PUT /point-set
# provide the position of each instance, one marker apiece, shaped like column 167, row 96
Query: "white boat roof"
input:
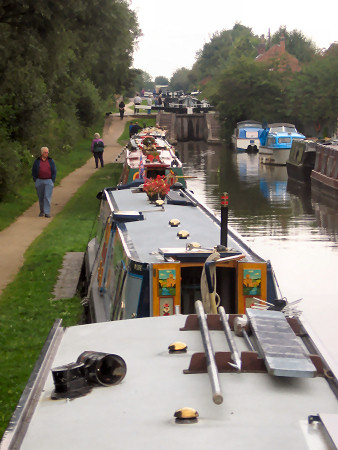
column 259, row 411
column 144, row 238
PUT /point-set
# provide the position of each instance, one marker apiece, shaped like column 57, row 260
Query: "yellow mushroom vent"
column 159, row 202
column 186, row 415
column 174, row 222
column 183, row 234
column 177, row 347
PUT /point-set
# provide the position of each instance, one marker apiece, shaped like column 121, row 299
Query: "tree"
column 224, row 46
column 313, row 93
column 296, row 44
column 247, row 90
column 60, row 62
column 180, row 80
column 142, row 81
column 161, row 80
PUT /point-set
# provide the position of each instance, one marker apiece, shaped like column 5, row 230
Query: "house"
column 278, row 57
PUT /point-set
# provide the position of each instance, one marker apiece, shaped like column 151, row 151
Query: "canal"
column 281, row 222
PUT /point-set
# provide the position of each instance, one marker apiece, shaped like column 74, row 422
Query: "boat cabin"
column 149, row 259
column 280, row 135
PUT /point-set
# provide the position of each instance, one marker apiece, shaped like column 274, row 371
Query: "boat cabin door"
column 166, row 288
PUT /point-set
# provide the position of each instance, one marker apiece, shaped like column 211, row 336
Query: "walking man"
column 97, row 148
column 44, row 174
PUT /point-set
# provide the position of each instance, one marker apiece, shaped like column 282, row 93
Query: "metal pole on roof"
column 217, row 395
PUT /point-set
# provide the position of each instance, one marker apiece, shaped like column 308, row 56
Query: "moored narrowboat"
column 148, row 154
column 301, row 160
column 324, row 176
column 148, row 258
column 276, row 141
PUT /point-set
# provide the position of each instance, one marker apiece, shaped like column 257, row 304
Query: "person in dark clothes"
column 121, row 108
column 44, row 174
column 135, row 129
column 130, row 127
column 97, row 149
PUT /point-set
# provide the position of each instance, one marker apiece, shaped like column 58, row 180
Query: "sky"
column 174, row 30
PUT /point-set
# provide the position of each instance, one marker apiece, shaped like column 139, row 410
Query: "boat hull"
column 273, row 156
column 247, row 145
column 301, row 161
column 324, row 176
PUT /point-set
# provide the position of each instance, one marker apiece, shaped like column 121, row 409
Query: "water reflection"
column 274, row 204
column 283, row 222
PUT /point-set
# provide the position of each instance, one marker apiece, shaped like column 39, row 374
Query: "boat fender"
column 186, row 415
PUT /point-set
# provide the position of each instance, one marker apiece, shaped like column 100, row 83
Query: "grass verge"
column 17, row 203
column 27, row 308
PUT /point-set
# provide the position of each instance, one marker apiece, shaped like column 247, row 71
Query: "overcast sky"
column 174, row 30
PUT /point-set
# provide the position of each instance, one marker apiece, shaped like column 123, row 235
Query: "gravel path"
column 15, row 239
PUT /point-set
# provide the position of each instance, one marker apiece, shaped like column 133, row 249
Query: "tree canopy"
column 241, row 88
column 180, row 80
column 60, row 61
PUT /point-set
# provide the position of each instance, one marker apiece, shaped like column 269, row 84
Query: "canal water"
column 281, row 222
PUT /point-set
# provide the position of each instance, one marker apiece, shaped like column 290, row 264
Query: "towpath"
column 16, row 238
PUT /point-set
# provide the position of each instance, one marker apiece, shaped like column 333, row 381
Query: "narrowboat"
column 324, row 176
column 246, row 135
column 301, row 160
column 148, row 154
column 276, row 141
column 148, row 258
column 205, row 357
column 185, row 381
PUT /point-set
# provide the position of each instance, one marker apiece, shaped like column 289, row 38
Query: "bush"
column 14, row 161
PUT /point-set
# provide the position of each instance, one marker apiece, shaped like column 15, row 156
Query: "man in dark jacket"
column 135, row 129
column 44, row 174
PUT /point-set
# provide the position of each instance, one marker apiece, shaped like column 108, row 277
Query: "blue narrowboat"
column 152, row 259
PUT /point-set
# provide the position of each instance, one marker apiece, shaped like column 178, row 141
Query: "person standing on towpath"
column 97, row 148
column 44, row 174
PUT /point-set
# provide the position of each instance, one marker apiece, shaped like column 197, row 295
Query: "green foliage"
column 27, row 307
column 240, row 88
column 247, row 90
column 22, row 194
column 14, row 163
column 313, row 92
column 59, row 64
column 217, row 54
column 296, row 44
column 180, row 80
column 161, row 80
column 142, row 81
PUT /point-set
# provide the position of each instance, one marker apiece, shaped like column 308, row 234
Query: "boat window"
column 270, row 141
column 152, row 173
column 252, row 134
column 283, row 140
column 117, row 307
